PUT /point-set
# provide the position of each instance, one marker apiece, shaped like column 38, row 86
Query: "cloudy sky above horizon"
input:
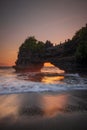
column 54, row 20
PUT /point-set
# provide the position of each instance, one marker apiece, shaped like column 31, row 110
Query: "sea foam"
column 11, row 82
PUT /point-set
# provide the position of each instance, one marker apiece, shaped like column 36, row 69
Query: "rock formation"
column 69, row 53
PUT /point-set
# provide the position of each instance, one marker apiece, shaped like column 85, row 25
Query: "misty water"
column 48, row 79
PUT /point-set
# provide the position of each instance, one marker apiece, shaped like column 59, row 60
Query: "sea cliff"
column 69, row 55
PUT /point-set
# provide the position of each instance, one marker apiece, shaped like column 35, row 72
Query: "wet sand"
column 44, row 111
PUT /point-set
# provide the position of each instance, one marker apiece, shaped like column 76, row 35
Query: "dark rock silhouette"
column 70, row 54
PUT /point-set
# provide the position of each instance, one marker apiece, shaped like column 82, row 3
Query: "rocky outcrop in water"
column 68, row 54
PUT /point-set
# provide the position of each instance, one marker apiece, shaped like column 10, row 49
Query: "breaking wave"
column 11, row 82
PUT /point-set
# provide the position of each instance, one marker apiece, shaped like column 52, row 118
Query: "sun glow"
column 48, row 64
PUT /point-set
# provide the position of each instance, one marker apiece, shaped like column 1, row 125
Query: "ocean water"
column 49, row 78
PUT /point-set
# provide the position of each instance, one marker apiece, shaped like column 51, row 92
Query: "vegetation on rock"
column 81, row 52
column 33, row 51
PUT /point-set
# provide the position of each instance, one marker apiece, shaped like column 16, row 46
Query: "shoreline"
column 44, row 111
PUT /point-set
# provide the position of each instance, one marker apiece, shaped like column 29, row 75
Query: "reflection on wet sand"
column 46, row 105
column 8, row 106
column 42, row 111
column 53, row 104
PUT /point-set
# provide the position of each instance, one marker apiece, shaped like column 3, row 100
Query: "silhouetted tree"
column 48, row 44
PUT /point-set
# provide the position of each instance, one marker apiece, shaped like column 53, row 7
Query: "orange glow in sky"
column 8, row 57
column 48, row 64
column 54, row 20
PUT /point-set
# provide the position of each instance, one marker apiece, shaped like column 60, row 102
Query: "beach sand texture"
column 44, row 111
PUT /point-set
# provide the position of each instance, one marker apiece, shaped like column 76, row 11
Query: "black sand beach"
column 44, row 111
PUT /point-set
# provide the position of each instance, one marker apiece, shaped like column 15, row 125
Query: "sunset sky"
column 54, row 20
